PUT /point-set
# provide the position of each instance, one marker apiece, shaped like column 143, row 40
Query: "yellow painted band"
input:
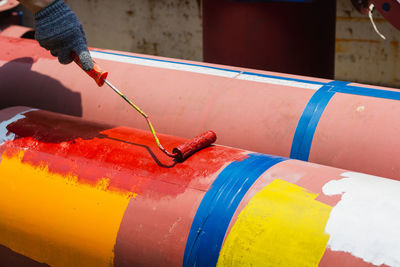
column 282, row 225
column 55, row 219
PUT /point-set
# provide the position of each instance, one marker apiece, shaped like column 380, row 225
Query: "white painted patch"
column 3, row 2
column 4, row 134
column 260, row 79
column 202, row 70
column 360, row 108
column 366, row 221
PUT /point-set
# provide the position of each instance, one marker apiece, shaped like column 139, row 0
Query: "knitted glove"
column 60, row 31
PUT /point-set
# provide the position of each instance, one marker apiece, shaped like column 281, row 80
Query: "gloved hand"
column 60, row 31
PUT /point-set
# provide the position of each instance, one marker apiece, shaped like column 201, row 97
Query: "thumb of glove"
column 85, row 59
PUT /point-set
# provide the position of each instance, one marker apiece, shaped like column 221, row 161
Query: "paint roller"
column 179, row 153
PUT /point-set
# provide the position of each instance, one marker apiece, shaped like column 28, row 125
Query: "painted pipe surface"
column 346, row 125
column 75, row 193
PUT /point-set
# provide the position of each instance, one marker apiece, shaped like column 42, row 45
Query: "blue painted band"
column 219, row 204
column 308, row 122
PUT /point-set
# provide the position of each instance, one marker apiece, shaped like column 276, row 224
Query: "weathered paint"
column 290, row 230
column 4, row 134
column 354, row 225
column 308, row 179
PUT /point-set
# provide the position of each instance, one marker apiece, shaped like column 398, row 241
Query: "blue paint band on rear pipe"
column 312, row 113
column 219, row 204
column 364, row 91
column 308, row 122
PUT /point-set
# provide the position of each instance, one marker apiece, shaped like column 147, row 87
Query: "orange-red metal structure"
column 346, row 125
column 79, row 193
column 389, row 9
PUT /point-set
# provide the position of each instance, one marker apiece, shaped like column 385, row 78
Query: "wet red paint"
column 128, row 157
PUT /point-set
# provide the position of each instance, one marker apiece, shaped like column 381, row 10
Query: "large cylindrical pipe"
column 350, row 126
column 74, row 193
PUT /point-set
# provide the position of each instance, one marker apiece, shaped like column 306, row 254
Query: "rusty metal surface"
column 361, row 55
column 171, row 28
column 390, row 10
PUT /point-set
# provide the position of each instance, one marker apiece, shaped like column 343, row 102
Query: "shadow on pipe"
column 33, row 89
column 38, row 127
column 11, row 258
column 159, row 163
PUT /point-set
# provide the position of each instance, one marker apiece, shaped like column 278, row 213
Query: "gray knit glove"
column 61, row 32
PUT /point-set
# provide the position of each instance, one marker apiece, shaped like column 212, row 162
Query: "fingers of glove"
column 43, row 43
column 65, row 56
column 84, row 57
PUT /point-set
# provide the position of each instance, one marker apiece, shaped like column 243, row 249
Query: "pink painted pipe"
column 350, row 126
